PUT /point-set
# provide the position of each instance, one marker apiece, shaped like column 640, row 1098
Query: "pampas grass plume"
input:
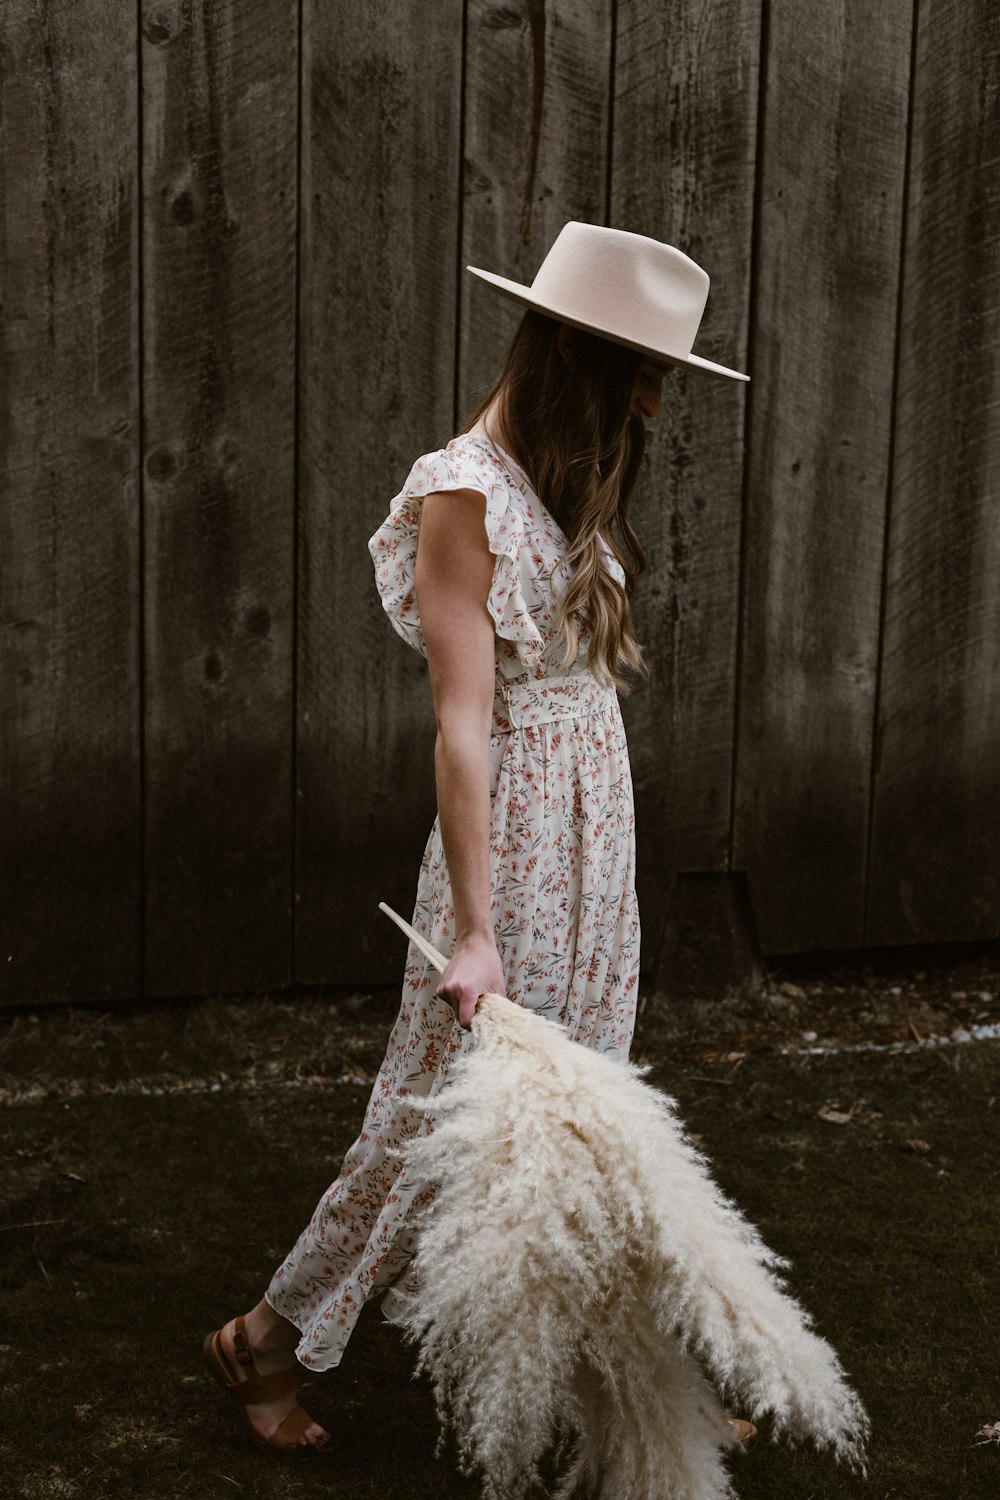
column 583, row 1287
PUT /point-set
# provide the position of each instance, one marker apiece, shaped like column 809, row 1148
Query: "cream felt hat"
column 622, row 286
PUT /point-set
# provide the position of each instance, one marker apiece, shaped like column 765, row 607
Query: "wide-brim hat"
column 622, row 286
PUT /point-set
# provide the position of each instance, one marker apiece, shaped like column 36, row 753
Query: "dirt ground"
column 159, row 1160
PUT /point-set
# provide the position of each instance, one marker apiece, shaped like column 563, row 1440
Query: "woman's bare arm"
column 454, row 571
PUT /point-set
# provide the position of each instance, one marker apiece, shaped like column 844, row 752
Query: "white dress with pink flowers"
column 562, row 853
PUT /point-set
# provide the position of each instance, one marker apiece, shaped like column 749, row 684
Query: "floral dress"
column 562, row 856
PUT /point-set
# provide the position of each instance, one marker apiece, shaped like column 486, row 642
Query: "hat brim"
column 523, row 294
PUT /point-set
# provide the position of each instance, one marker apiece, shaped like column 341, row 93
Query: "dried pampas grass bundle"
column 584, row 1286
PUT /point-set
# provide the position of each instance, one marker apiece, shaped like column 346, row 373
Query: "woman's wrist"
column 473, row 933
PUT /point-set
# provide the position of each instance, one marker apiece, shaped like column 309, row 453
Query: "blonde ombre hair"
column 566, row 421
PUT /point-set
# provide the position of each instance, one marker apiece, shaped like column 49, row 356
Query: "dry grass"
column 154, row 1216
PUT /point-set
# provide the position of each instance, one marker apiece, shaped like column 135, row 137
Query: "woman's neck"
column 488, row 425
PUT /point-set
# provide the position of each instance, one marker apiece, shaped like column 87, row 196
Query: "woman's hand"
column 475, row 967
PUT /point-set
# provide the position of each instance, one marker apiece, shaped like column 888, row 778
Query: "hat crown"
column 636, row 288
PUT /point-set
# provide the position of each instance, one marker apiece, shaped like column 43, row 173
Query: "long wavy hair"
column 566, row 421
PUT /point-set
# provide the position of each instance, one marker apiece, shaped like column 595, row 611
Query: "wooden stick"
column 427, row 949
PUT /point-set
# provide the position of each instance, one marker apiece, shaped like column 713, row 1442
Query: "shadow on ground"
column 159, row 1161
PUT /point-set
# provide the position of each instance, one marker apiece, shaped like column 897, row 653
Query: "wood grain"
column 219, row 179
column 381, row 132
column 536, row 102
column 686, row 85
column 69, row 568
column 935, row 872
column 204, row 604
column 828, row 246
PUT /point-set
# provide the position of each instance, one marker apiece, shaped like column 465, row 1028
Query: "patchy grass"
column 132, row 1224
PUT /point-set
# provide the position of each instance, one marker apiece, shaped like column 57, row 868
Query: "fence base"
column 708, row 947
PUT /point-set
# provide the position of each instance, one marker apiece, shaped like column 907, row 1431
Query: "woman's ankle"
column 269, row 1333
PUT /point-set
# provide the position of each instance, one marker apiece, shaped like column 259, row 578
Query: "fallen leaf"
column 920, row 1147
column 74, row 1177
column 832, row 1115
column 792, row 991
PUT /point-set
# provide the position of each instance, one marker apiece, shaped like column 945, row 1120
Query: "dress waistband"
column 549, row 700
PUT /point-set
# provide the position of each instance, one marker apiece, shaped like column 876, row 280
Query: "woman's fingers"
column 463, row 1000
column 467, row 1009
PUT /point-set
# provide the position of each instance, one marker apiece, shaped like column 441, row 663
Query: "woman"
column 507, row 559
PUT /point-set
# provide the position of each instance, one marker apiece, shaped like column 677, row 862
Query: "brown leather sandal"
column 285, row 1437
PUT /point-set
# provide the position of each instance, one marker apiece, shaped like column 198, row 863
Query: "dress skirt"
column 562, row 851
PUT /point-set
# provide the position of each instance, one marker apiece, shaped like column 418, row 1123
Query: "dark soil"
column 159, row 1160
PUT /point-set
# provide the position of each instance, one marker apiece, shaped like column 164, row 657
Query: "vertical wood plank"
column 685, row 119
column 935, row 870
column 828, row 245
column 381, row 144
column 537, row 94
column 219, row 176
column 69, row 623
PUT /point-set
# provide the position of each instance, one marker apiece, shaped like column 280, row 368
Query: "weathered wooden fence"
column 234, row 313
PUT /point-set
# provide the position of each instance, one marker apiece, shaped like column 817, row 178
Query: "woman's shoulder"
column 468, row 461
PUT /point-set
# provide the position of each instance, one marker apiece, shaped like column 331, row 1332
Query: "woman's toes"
column 313, row 1437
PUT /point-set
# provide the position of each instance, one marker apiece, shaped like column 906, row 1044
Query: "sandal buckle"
column 241, row 1347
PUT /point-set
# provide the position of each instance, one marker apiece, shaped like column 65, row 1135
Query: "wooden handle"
column 427, row 949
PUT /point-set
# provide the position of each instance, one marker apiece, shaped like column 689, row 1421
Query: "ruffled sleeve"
column 394, row 546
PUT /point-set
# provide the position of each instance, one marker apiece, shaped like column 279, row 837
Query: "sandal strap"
column 288, row 1432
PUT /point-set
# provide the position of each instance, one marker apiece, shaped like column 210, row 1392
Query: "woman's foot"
column 263, row 1347
column 733, row 1429
column 742, row 1431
